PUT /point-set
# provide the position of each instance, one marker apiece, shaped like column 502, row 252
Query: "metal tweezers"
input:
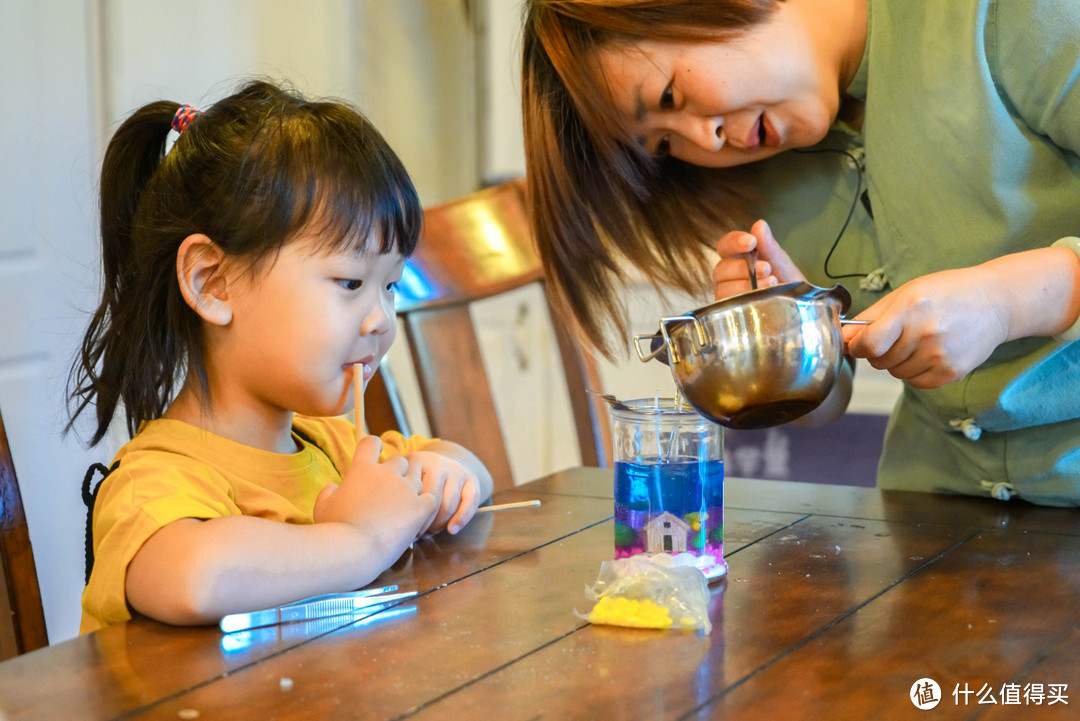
column 307, row 609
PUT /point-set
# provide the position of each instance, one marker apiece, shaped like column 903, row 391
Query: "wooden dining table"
column 839, row 602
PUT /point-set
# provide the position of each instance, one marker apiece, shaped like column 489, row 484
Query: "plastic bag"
column 649, row 592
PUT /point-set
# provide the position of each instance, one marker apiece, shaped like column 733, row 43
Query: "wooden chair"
column 22, row 619
column 472, row 248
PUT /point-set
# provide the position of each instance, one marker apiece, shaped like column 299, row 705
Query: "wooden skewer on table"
column 508, row 506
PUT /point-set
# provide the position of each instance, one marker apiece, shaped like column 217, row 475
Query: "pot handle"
column 655, row 349
column 660, row 343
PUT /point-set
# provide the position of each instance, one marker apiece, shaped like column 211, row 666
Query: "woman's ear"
column 200, row 270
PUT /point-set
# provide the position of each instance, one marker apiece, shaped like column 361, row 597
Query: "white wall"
column 502, row 151
column 48, row 275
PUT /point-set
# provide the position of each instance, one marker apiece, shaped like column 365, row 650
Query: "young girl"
column 247, row 268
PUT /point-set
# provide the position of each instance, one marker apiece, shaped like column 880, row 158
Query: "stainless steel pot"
column 757, row 359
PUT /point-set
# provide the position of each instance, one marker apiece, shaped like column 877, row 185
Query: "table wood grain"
column 838, row 599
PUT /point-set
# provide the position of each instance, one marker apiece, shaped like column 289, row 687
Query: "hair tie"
column 184, row 115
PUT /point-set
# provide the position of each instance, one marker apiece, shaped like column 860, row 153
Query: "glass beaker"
column 669, row 483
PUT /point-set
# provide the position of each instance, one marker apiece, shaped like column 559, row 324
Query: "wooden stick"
column 508, row 506
column 358, row 395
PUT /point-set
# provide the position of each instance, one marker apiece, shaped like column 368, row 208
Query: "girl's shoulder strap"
column 89, row 496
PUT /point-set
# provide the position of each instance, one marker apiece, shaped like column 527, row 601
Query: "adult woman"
column 652, row 127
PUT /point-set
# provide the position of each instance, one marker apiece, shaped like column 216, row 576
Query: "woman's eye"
column 663, row 148
column 351, row 283
column 667, row 98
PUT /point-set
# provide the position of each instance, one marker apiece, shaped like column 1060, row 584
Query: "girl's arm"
column 193, row 571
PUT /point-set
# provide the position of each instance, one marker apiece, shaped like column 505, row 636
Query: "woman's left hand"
column 730, row 275
column 935, row 329
column 455, row 487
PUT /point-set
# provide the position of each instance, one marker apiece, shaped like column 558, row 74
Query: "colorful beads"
column 616, row 611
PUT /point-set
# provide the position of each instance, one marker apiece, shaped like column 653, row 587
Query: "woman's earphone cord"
column 859, row 193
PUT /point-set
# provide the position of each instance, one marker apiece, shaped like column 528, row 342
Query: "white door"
column 48, row 274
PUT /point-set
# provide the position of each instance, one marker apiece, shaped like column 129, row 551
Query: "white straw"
column 358, row 395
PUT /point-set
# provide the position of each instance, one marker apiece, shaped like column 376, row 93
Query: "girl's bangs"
column 335, row 175
column 356, row 216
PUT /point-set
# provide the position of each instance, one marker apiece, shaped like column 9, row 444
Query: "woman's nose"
column 705, row 132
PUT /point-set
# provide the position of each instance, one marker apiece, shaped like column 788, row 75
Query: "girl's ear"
column 200, row 270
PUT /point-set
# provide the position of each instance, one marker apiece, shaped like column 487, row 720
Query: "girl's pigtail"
column 103, row 374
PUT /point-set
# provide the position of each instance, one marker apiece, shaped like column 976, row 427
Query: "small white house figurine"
column 666, row 534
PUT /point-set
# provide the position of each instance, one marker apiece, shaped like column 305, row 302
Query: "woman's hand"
column 773, row 265
column 455, row 487
column 935, row 329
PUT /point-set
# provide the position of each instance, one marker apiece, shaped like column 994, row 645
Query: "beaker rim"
column 654, row 406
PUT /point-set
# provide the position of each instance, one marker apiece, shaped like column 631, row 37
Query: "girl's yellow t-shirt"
column 172, row 470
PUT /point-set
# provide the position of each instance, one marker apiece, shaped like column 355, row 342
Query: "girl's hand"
column 773, row 266
column 455, row 487
column 384, row 498
column 935, row 329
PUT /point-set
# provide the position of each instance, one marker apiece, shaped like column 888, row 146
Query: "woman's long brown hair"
column 598, row 200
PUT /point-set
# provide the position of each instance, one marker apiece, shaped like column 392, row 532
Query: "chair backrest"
column 22, row 619
column 473, row 248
